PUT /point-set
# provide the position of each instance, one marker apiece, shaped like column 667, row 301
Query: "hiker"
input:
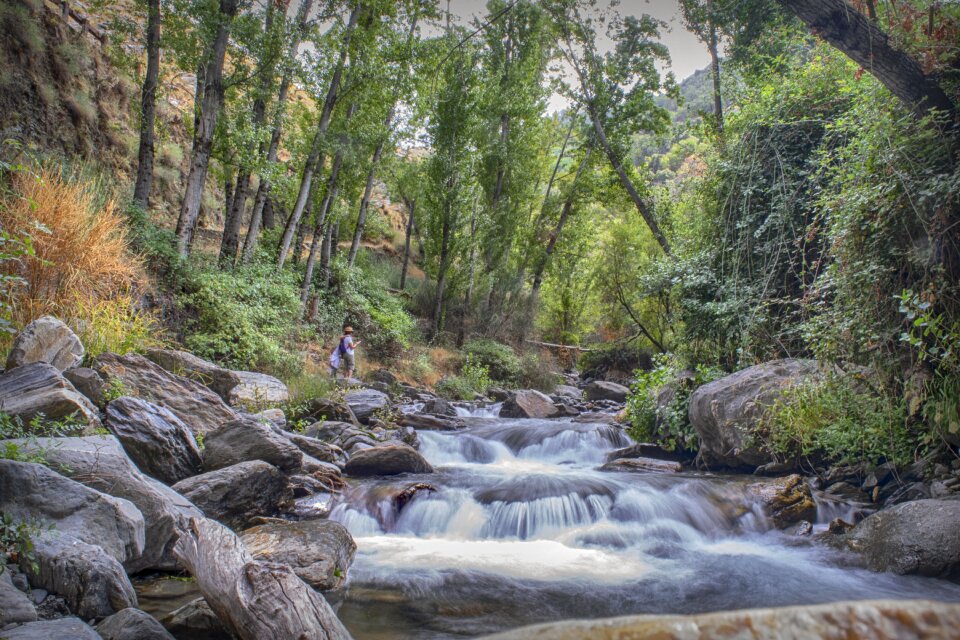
column 344, row 353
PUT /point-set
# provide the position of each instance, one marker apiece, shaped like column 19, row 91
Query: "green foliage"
column 500, row 360
column 840, row 418
column 16, row 541
column 114, row 388
column 537, row 372
column 474, row 378
column 614, row 359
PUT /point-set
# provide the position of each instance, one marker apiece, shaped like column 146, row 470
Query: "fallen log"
column 253, row 599
column 551, row 345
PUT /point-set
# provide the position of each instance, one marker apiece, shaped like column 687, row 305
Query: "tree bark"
column 306, row 181
column 715, row 71
column 442, row 275
column 411, row 208
column 253, row 599
column 148, row 109
column 853, row 33
column 203, row 136
column 471, row 268
column 365, row 201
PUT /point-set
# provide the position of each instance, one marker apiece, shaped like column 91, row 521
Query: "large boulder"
column 913, row 537
column 39, row 388
column 430, row 422
column 257, row 390
column 88, row 382
column 235, row 495
column 901, row 619
column 319, row 449
column 60, row 629
column 785, row 500
column 221, row 381
column 569, row 392
column 132, row 624
column 31, row 492
column 365, row 402
column 439, row 407
column 603, row 390
column 199, row 407
column 528, row 404
column 90, row 580
column 160, row 444
column 386, row 461
column 318, row 551
column 99, row 462
column 15, row 606
column 725, row 412
column 46, row 340
column 326, row 410
column 247, row 439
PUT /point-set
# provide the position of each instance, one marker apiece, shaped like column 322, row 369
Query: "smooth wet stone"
column 528, row 403
column 195, row 621
column 642, row 465
column 366, row 402
column 429, row 422
column 385, row 461
column 785, row 500
column 603, row 390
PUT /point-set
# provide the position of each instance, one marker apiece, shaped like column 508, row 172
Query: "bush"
column 538, row 373
column 501, row 362
column 474, row 378
column 246, row 319
column 614, row 361
column 840, row 418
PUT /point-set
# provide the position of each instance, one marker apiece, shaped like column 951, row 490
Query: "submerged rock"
column 386, row 461
column 319, row 551
column 528, row 404
column 904, row 620
column 48, row 340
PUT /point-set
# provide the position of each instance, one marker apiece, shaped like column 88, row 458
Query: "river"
column 523, row 529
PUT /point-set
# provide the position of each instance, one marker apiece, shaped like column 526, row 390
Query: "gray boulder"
column 318, row 551
column 88, row 382
column 642, row 465
column 92, row 583
column 46, row 340
column 160, row 444
column 276, row 417
column 99, row 462
column 725, row 412
column 195, row 621
column 920, row 537
column 15, row 606
column 325, row 409
column 603, row 390
column 219, row 380
column 132, row 624
column 247, row 439
column 236, row 494
column 329, row 431
column 31, row 491
column 439, row 407
column 39, row 388
column 199, row 407
column 386, row 461
column 569, row 392
column 60, row 629
column 430, row 422
column 528, row 404
column 365, row 402
column 257, row 390
column 317, row 448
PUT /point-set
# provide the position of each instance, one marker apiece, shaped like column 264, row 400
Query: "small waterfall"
column 479, row 411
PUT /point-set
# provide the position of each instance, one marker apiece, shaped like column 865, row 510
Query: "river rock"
column 725, row 412
column 235, row 494
column 568, row 391
column 529, row 403
column 39, row 388
column 642, row 465
column 317, row 448
column 326, row 410
column 88, row 382
column 386, row 461
column 365, row 402
column 785, row 500
column 246, row 439
column 99, row 462
column 31, row 491
column 430, row 422
column 48, row 340
column 903, row 620
column 91, row 581
column 439, row 407
column 644, row 450
column 257, row 390
column 160, row 444
column 603, row 390
column 60, row 629
column 914, row 537
column 195, row 621
column 15, row 606
column 318, row 551
column 219, row 380
column 132, row 624
column 196, row 405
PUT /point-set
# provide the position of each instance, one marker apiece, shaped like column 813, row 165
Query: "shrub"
column 503, row 365
column 840, row 418
column 615, row 360
column 114, row 326
column 538, row 372
column 474, row 378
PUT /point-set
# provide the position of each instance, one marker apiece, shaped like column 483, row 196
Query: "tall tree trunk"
column 148, row 108
column 263, row 189
column 411, row 208
column 269, row 213
column 301, row 234
column 306, row 181
column 203, row 136
column 442, row 274
column 325, row 251
column 715, row 71
column 468, row 294
column 844, row 27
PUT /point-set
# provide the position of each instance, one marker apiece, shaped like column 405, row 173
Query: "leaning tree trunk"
column 207, row 124
column 715, row 71
column 844, row 27
column 148, row 108
column 411, row 207
column 252, row 598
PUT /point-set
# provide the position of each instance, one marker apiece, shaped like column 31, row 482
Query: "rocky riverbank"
column 181, row 467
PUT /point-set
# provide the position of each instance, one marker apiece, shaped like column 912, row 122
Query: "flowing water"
column 521, row 528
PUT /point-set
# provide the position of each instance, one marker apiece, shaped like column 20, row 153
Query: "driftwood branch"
column 551, row 345
column 253, row 599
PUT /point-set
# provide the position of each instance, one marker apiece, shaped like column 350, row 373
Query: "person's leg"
column 350, row 364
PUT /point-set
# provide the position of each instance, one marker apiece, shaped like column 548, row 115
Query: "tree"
column 148, row 108
column 700, row 18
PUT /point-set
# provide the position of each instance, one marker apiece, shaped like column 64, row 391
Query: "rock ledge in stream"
column 903, row 620
column 528, row 404
column 386, row 461
column 642, row 465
